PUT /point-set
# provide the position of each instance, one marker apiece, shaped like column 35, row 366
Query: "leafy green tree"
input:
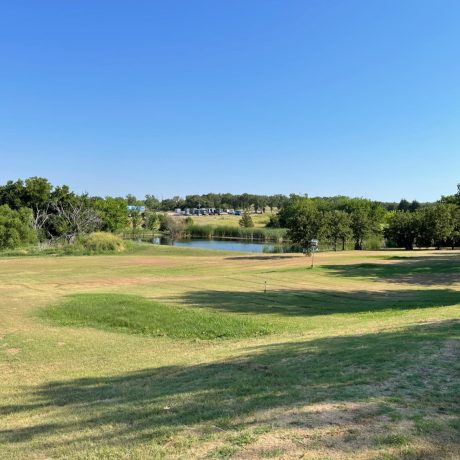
column 436, row 225
column 246, row 220
column 455, row 236
column 151, row 221
column 37, row 192
column 273, row 221
column 113, row 213
column 303, row 220
column 366, row 217
column 136, row 219
column 12, row 194
column 403, row 228
column 173, row 203
column 403, row 205
column 132, row 200
column 16, row 228
column 151, row 203
column 337, row 227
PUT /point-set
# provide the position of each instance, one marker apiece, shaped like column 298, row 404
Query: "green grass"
column 137, row 315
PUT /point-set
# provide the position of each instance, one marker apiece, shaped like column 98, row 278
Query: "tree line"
column 338, row 220
column 34, row 209
column 247, row 201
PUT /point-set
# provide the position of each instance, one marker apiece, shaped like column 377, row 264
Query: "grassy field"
column 166, row 352
column 260, row 220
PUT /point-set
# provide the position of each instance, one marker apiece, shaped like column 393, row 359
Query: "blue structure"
column 140, row 209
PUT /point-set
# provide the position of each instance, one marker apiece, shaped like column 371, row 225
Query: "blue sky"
column 360, row 98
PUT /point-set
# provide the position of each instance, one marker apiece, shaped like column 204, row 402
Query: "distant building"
column 140, row 209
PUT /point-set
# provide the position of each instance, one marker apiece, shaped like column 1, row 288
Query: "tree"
column 302, row 219
column 337, row 227
column 246, row 220
column 12, row 194
column 151, row 220
column 365, row 219
column 174, row 227
column 172, row 203
column 273, row 221
column 151, row 202
column 37, row 192
column 16, row 227
column 414, row 206
column 40, row 218
column 76, row 218
column 455, row 237
column 403, row 205
column 113, row 213
column 136, row 219
column 132, row 200
column 402, row 229
column 436, row 225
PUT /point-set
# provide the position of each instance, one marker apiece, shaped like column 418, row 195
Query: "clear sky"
column 360, row 98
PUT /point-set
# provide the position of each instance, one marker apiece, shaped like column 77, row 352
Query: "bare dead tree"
column 78, row 218
column 175, row 228
column 41, row 215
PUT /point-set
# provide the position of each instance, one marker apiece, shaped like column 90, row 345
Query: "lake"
column 224, row 245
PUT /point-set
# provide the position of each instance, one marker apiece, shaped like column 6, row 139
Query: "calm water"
column 225, row 245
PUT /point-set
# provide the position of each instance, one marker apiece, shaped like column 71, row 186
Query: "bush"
column 246, row 220
column 102, row 242
column 16, row 227
column 274, row 222
column 373, row 243
column 175, row 228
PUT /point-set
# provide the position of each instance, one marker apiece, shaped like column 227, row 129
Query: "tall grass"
column 231, row 232
column 100, row 242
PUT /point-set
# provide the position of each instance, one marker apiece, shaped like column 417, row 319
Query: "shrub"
column 274, row 222
column 103, row 242
column 15, row 227
column 246, row 220
column 373, row 243
column 175, row 228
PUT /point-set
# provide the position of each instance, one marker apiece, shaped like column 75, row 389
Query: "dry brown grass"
column 34, row 354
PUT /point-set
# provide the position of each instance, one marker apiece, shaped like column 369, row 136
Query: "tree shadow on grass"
column 424, row 271
column 289, row 302
column 408, row 369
